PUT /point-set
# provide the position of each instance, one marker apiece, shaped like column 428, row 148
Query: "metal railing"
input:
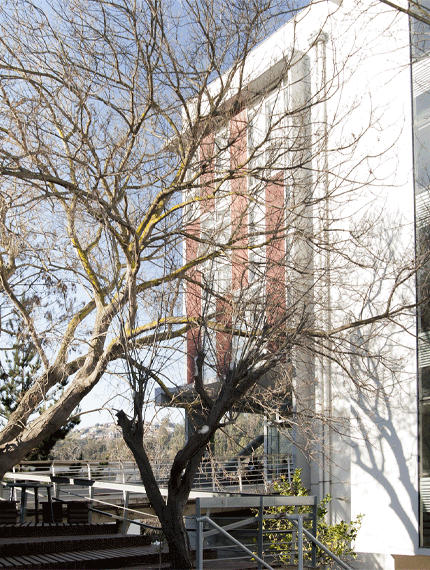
column 103, row 495
column 215, row 473
column 303, row 531
column 263, row 556
column 66, row 487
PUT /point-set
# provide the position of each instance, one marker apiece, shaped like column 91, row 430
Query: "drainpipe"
column 325, row 478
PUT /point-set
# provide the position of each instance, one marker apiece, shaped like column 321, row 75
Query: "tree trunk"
column 170, row 514
column 177, row 539
column 13, row 451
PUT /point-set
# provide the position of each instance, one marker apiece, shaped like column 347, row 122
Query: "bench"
column 8, row 512
column 77, row 512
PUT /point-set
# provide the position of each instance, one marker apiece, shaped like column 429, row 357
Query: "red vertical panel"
column 275, row 251
column 223, row 339
column 239, row 201
column 239, row 224
column 193, row 299
column 193, row 293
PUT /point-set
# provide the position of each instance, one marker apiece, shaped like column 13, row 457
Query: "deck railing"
column 215, row 473
column 109, row 485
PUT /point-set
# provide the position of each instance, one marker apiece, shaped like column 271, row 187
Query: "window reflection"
column 420, row 33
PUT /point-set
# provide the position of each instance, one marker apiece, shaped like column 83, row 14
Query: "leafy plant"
column 339, row 537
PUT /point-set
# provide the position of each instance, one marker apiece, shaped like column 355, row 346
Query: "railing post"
column 125, row 513
column 293, row 543
column 15, row 495
column 199, row 537
column 91, row 490
column 260, row 533
column 55, row 485
column 239, row 472
column 213, row 474
column 314, row 532
column 300, row 542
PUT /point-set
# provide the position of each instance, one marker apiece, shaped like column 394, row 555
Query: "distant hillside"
column 103, row 442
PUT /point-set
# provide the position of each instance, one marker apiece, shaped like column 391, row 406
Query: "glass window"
column 422, row 154
column 420, row 32
column 425, row 383
column 256, row 252
column 423, row 278
column 422, row 106
column 209, row 346
column 425, row 438
column 270, row 118
column 278, row 451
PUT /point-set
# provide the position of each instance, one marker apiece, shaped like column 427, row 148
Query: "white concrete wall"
column 372, row 468
column 360, row 68
column 381, row 479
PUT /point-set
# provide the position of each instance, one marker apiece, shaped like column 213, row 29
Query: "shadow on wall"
column 373, row 561
column 387, row 430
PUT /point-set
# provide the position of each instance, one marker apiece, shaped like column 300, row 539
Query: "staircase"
column 60, row 547
column 43, row 551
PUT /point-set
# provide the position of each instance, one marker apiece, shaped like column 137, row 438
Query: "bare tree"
column 94, row 164
column 130, row 130
column 416, row 10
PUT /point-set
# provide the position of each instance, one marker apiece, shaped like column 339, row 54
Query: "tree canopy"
column 125, row 129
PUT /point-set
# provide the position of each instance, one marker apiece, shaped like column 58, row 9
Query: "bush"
column 339, row 538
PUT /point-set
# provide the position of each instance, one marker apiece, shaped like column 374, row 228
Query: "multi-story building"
column 330, row 153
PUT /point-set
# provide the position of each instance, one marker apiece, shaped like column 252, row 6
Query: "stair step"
column 100, row 558
column 103, row 558
column 31, row 530
column 55, row 544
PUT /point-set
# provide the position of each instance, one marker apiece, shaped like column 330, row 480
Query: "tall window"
column 215, row 227
column 420, row 38
column 222, row 228
column 209, row 344
column 421, row 73
column 268, row 124
column 256, row 253
column 267, row 151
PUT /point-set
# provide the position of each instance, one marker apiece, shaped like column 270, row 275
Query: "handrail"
column 239, row 544
column 119, row 518
column 93, row 483
column 259, row 502
column 262, row 502
column 311, row 537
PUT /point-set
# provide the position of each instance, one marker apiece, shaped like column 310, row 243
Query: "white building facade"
column 361, row 75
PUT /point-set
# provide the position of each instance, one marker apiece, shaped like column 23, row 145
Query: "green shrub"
column 339, row 538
